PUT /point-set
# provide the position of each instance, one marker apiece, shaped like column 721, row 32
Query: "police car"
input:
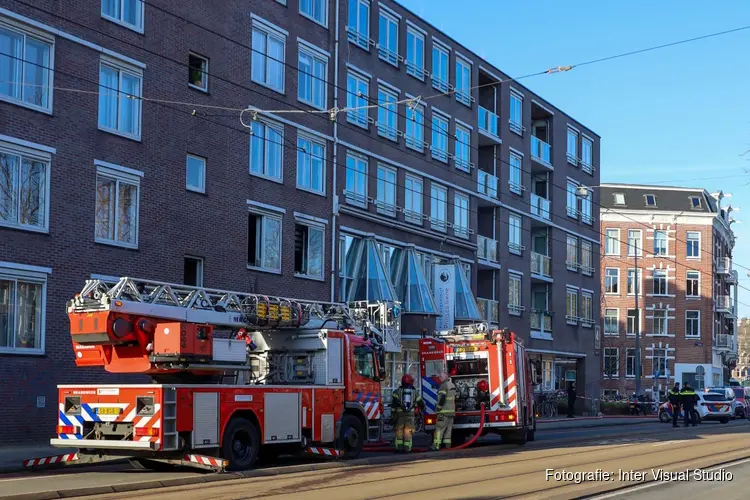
column 737, row 396
column 714, row 405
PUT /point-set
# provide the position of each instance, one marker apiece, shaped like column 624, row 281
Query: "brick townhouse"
column 683, row 242
column 175, row 185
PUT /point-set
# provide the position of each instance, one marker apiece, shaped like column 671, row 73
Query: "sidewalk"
column 585, row 422
column 12, row 457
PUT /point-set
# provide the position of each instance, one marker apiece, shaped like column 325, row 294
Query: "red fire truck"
column 234, row 375
column 489, row 367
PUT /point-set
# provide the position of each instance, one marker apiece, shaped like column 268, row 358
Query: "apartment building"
column 677, row 244
column 329, row 150
column 742, row 370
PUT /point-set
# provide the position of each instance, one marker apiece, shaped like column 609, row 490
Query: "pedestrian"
column 571, row 399
column 403, row 402
column 674, row 400
column 446, row 410
column 688, row 397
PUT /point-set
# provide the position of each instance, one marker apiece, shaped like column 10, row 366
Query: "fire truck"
column 234, row 376
column 486, row 366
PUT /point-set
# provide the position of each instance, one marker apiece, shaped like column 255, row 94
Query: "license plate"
column 108, row 411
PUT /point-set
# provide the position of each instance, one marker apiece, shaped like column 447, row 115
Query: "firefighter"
column 674, row 400
column 446, row 410
column 403, row 402
column 688, row 397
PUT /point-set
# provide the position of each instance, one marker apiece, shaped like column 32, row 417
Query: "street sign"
column 699, row 344
column 700, row 372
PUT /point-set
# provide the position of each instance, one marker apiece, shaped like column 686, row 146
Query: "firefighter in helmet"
column 403, row 402
column 446, row 410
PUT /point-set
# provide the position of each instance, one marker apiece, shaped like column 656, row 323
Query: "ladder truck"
column 235, row 376
column 486, row 366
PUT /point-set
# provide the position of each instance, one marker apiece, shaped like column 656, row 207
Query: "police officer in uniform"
column 446, row 410
column 403, row 402
column 674, row 400
column 688, row 398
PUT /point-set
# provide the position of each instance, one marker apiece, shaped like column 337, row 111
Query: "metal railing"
column 541, row 321
column 724, row 303
column 486, row 248
column 723, row 265
column 540, row 206
column 722, row 340
column 541, row 151
column 541, row 264
column 489, row 310
column 488, row 121
column 487, row 184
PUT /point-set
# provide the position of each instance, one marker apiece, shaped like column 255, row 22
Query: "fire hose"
column 386, row 448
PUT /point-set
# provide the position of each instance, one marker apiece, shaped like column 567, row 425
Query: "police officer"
column 446, row 410
column 688, row 398
column 674, row 400
column 403, row 402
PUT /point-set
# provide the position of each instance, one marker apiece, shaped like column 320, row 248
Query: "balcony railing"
column 540, row 206
column 488, row 122
column 489, row 309
column 541, row 151
column 723, row 303
column 733, row 277
column 486, row 248
column 723, row 340
column 541, row 265
column 724, row 265
column 487, row 184
column 541, row 321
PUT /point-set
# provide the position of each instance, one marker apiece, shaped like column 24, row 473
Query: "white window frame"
column 270, row 31
column 278, row 128
column 133, row 71
column 464, row 98
column 630, row 375
column 617, row 321
column 313, row 226
column 352, row 197
column 383, row 207
column 571, row 293
column 459, row 230
column 438, row 202
column 385, row 52
column 687, row 243
column 572, row 265
column 515, row 177
column 463, row 164
column 204, row 163
column 613, row 240
column 687, row 283
column 415, row 139
column 638, row 248
column 657, row 252
column 571, row 203
column 36, row 276
column 515, row 281
column 654, row 319
column 697, row 320
column 311, row 16
column 313, row 141
column 389, row 110
column 39, row 36
column 120, row 175
column 319, row 57
column 616, row 280
column 572, row 151
column 204, row 72
column 515, row 228
column 438, row 135
column 359, row 39
column 413, row 35
column 359, row 117
column 605, row 356
column 617, row 197
column 199, row 273
column 639, row 317
column 138, row 27
column 662, row 274
column 270, row 214
column 640, row 281
column 516, row 126
column 439, row 83
column 413, row 205
column 12, row 149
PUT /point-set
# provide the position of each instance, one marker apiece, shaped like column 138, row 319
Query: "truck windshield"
column 467, row 367
column 364, row 362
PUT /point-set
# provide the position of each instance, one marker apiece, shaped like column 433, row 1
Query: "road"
column 481, row 473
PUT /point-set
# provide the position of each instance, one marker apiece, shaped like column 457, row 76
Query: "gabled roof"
column 656, row 198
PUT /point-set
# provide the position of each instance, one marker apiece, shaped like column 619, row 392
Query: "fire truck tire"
column 352, row 437
column 531, row 433
column 240, row 444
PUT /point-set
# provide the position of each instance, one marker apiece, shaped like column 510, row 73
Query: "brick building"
column 360, row 204
column 680, row 242
column 742, row 370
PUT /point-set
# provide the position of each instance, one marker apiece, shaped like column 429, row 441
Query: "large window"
column 514, row 174
column 438, row 207
column 630, row 362
column 414, row 136
column 25, row 68
column 660, row 282
column 516, row 113
column 693, row 288
column 198, row 72
column 309, row 244
column 463, row 148
column 659, row 363
column 439, row 137
column 317, row 10
column 586, row 215
column 635, row 245
column 693, row 245
column 119, row 99
column 117, row 200
column 356, row 180
column 612, row 281
column 571, row 306
column 660, row 243
column 195, row 174
column 313, row 69
column 515, row 224
column 356, row 99
column 415, row 53
column 388, row 38
column 633, row 322
column 632, row 281
column 587, row 149
column 572, row 253
column 572, row 155
column 660, row 322
column 414, row 197
column 572, row 200
column 269, row 49
column 440, row 60
column 463, row 81
column 692, row 323
column 587, row 309
column 129, row 13
column 611, row 321
column 264, row 241
column 514, row 294
column 611, row 362
column 386, row 195
column 311, row 170
column 266, row 150
column 24, row 188
column 22, row 308
column 387, row 113
column 461, row 215
column 587, row 258
column 359, row 23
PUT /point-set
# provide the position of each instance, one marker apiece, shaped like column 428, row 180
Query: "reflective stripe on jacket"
column 446, row 399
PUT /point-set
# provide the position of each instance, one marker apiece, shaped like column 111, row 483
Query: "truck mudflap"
column 324, row 452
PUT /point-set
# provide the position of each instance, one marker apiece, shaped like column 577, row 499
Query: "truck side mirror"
column 380, row 359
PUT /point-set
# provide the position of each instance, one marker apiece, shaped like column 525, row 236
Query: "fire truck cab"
column 489, row 367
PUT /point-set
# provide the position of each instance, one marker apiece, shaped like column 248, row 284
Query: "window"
column 516, row 113
column 438, row 207
column 572, row 147
column 587, row 265
column 317, row 10
column 193, row 271
column 359, row 23
column 117, row 200
column 386, row 201
column 635, row 245
column 650, row 200
column 463, row 81
column 198, row 72
column 311, row 170
column 463, row 152
column 660, row 363
column 619, row 199
column 440, row 67
column 586, row 216
column 612, row 246
column 356, row 99
column 195, row 175
column 571, row 308
column 611, row 322
column 572, row 253
column 129, row 13
column 587, row 309
column 572, row 200
column 461, row 215
column 269, row 49
column 660, row 282
column 388, row 38
column 266, row 150
column 633, row 321
column 415, row 127
column 22, row 311
column 25, row 68
column 632, row 280
column 693, row 284
column 308, row 250
column 347, row 264
column 660, row 243
column 693, row 245
column 415, row 53
column 313, row 72
column 514, row 174
column 587, row 148
column 611, row 281
column 630, row 362
column 387, row 114
column 264, row 242
column 659, row 323
column 24, row 188
column 514, row 234
column 692, row 323
column 695, row 202
column 514, row 294
column 414, row 195
column 356, row 180
column 611, row 362
column 439, row 137
column 118, row 112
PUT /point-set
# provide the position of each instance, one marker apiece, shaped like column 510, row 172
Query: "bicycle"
column 548, row 407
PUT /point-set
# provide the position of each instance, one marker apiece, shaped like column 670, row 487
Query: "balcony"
column 723, row 265
column 539, row 206
column 486, row 248
column 490, row 310
column 733, row 278
column 724, row 305
column 723, row 341
column 541, row 324
column 541, row 152
column 488, row 134
column 541, row 267
column 486, row 184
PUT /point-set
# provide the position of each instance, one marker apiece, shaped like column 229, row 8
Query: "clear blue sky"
column 679, row 115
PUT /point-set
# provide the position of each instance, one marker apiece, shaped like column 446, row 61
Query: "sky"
column 675, row 116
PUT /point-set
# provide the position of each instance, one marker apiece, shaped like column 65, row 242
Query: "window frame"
column 572, row 153
column 382, row 206
column 438, row 83
column 200, row 266
column 262, row 215
column 646, row 199
column 614, row 240
column 513, row 168
column 586, row 309
column 587, row 166
column 638, row 249
column 639, row 272
column 33, row 154
column 637, row 321
column 689, row 240
column 311, row 16
column 390, row 111
column 361, row 40
column 605, row 317
column 279, row 129
column 586, row 215
column 615, row 200
column 609, row 356
column 657, row 250
column 132, row 71
column 688, row 280
column 120, row 175
column 663, row 320
column 516, row 126
column 513, row 230
column 358, row 101
column 608, row 278
column 141, row 15
column 313, row 141
column 458, row 230
column 269, row 30
column 42, row 37
column 662, row 275
column 697, row 322
column 385, row 53
column 312, row 226
column 570, row 197
column 437, row 134
column 572, row 265
column 411, row 67
column 204, row 72
column 463, row 164
column 354, row 198
column 34, row 276
column 515, row 309
column 628, row 374
column 587, row 265
column 571, row 305
column 319, row 57
column 204, row 164
column 464, row 98
column 436, row 223
column 413, row 216
column 415, row 140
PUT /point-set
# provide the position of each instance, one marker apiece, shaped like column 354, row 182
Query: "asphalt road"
column 482, row 473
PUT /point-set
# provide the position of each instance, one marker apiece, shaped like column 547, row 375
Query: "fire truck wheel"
column 240, row 444
column 531, row 433
column 352, row 437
